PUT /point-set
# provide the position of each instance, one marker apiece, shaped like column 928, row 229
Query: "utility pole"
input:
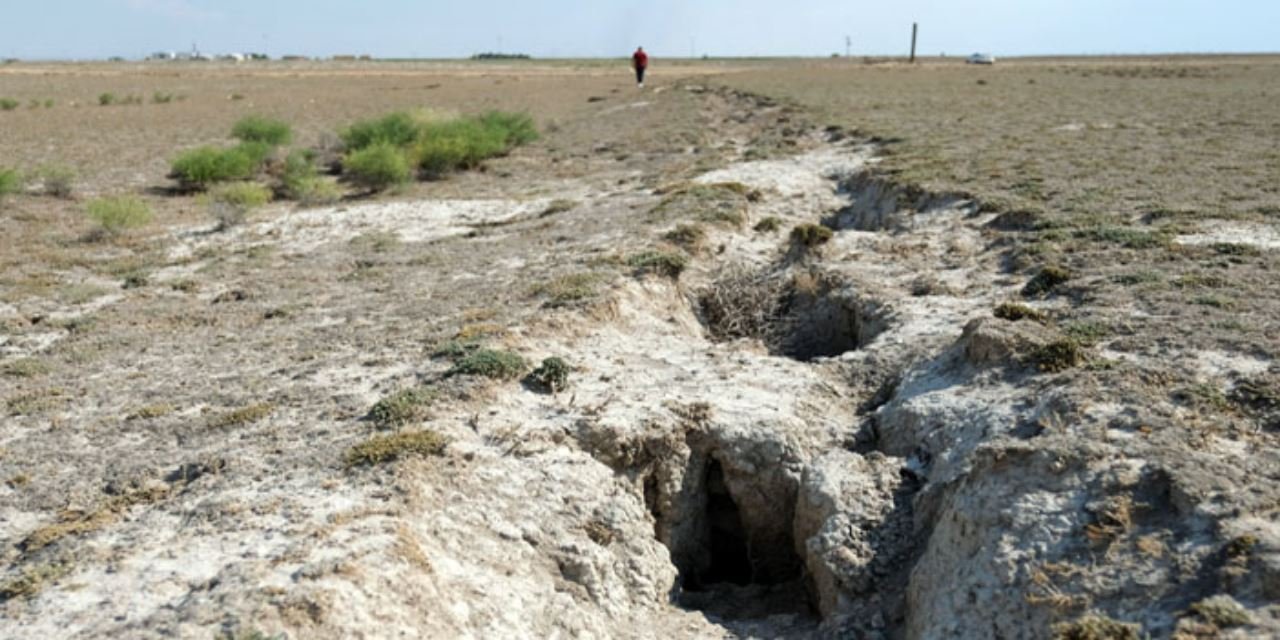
column 848, row 46
column 915, row 31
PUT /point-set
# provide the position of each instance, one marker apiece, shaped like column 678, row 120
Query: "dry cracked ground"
column 696, row 364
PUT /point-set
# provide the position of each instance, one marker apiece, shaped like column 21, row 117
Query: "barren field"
column 769, row 349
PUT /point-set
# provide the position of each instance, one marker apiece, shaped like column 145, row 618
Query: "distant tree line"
column 500, row 56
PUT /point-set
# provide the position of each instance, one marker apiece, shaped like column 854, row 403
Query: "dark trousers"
column 639, row 75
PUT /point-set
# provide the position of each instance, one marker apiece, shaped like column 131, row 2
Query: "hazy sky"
column 561, row 28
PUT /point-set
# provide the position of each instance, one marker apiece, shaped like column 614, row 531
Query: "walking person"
column 640, row 62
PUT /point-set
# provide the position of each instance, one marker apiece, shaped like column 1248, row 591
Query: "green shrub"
column 809, row 235
column 11, row 182
column 265, row 130
column 8, row 104
column 204, row 166
column 387, row 448
column 458, row 144
column 396, row 129
column 161, row 98
column 552, row 375
column 108, row 99
column 665, row 263
column 57, row 180
column 378, row 167
column 402, row 408
column 299, row 167
column 490, row 363
column 1045, row 281
column 517, row 128
column 117, row 214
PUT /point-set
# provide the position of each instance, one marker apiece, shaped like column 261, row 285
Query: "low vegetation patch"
column 8, row 104
column 552, row 375
column 1221, row 611
column 568, row 289
column 152, row 411
column 386, row 448
column 490, row 363
column 809, row 235
column 768, row 225
column 438, row 145
column 402, row 408
column 31, row 580
column 57, row 180
column 720, row 203
column 118, row 214
column 230, row 204
column 264, row 130
column 11, row 182
column 1058, row 355
column 663, row 263
column 1045, row 281
column 25, row 368
column 1096, row 628
column 242, row 416
column 1014, row 312
column 690, row 237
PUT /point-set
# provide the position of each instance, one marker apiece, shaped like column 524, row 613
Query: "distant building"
column 163, row 55
column 293, row 58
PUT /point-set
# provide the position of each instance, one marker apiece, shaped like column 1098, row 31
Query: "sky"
column 80, row 29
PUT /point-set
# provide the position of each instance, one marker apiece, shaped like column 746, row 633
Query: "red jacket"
column 640, row 60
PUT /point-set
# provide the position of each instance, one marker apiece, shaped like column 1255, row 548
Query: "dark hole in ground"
column 728, row 573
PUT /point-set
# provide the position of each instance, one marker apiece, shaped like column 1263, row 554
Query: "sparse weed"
column 1087, row 333
column 107, row 99
column 152, row 411
column 57, row 180
column 690, row 237
column 558, row 206
column 264, row 130
column 1138, row 277
column 231, row 203
column 490, row 363
column 25, row 368
column 386, row 448
column 11, row 182
column 117, row 214
column 31, row 580
column 402, row 408
column 663, row 263
column 9, row 104
column 568, row 289
column 242, row 416
column 161, row 98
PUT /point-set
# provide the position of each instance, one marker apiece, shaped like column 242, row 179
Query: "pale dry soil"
column 871, row 454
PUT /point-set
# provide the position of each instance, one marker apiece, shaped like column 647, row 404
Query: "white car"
column 981, row 58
